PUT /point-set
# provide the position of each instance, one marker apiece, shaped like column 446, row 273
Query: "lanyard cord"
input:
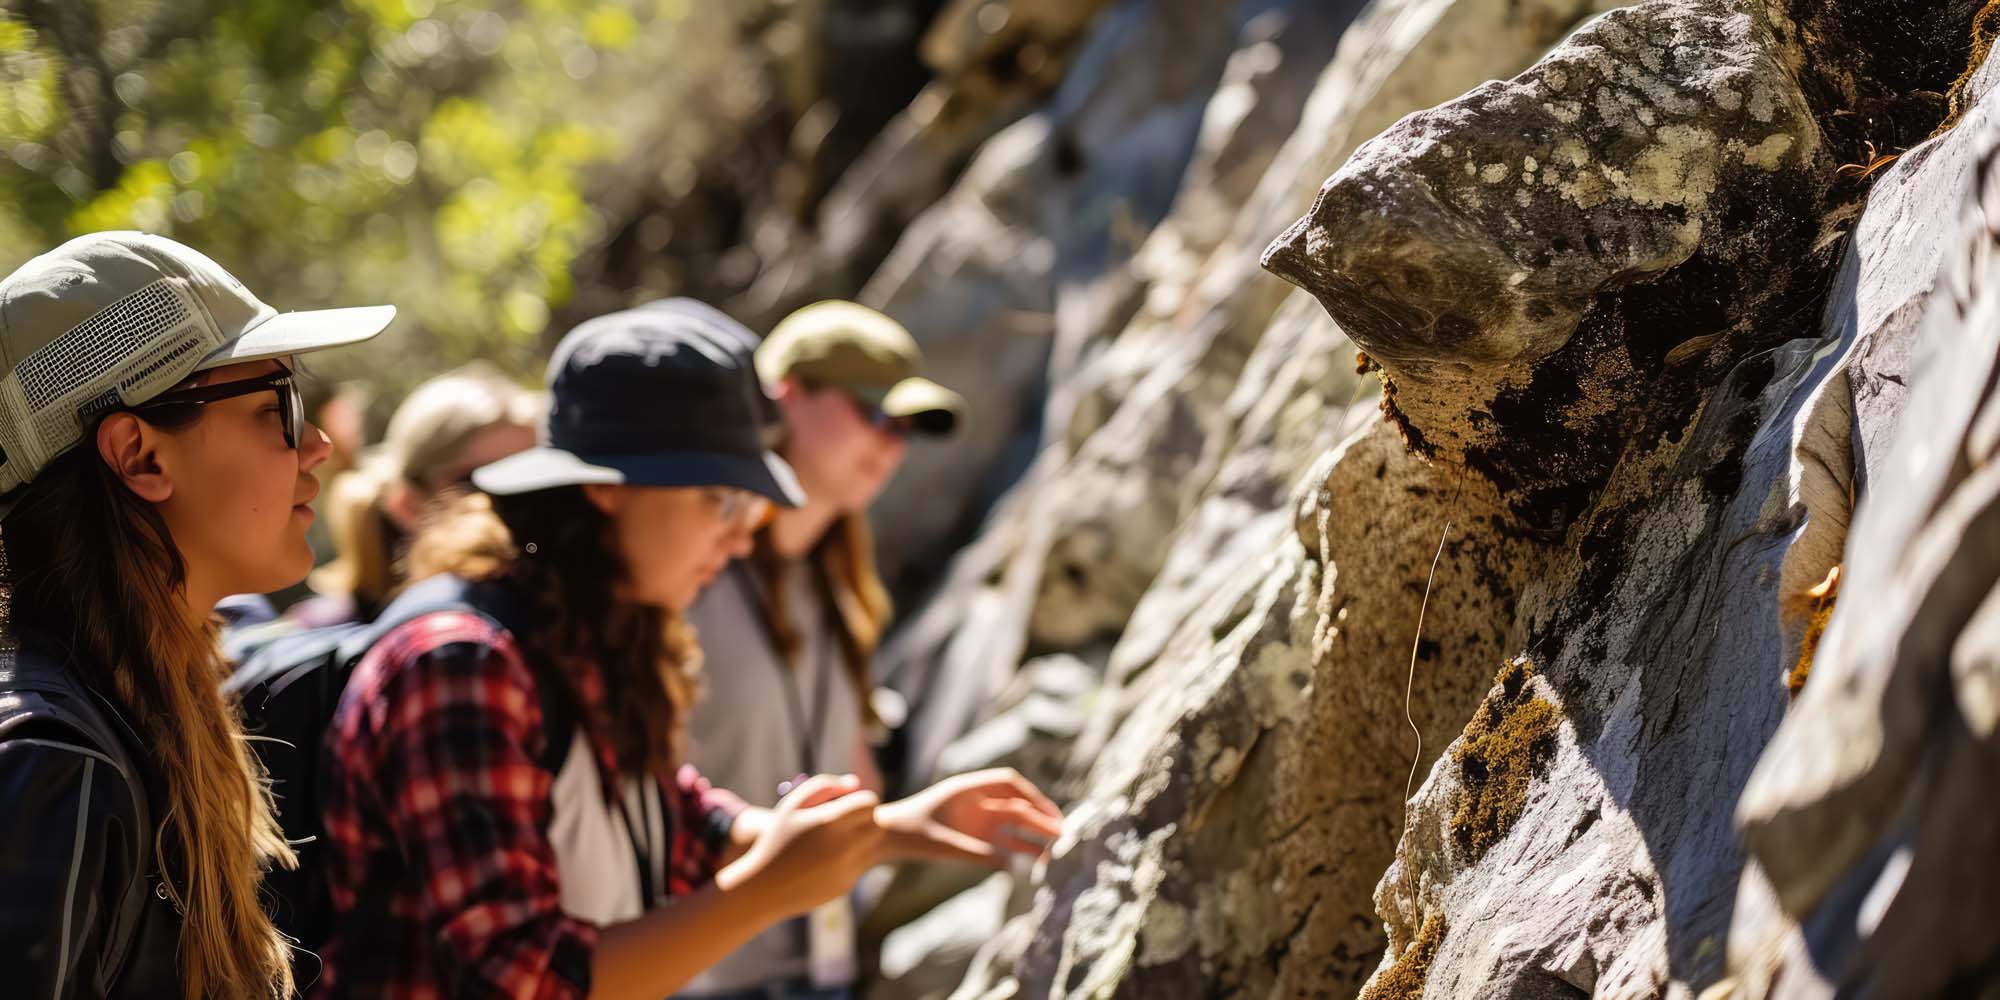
column 642, row 841
column 807, row 731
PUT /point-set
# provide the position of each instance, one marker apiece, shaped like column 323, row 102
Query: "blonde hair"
column 85, row 560
column 844, row 564
column 429, row 430
column 364, row 538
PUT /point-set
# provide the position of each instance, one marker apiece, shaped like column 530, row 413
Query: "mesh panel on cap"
column 146, row 341
column 100, row 344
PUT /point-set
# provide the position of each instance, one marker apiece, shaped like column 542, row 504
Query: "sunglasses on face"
column 887, row 424
column 869, row 413
column 291, row 411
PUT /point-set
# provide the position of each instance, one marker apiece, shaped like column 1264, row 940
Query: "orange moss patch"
column 1819, row 611
column 1508, row 744
column 1405, row 977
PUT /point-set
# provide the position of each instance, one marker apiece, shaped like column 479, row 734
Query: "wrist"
column 747, row 884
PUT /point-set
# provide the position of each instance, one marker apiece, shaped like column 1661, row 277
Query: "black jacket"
column 83, row 911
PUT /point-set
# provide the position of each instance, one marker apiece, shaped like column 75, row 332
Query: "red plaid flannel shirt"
column 436, row 811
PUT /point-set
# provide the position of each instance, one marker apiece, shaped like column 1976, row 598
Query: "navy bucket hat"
column 665, row 394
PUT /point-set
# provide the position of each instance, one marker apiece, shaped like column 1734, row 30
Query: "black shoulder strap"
column 498, row 604
column 90, row 714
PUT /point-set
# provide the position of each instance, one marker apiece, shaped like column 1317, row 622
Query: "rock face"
column 1576, row 581
column 1641, row 348
column 1524, row 269
column 993, row 61
column 1051, row 203
column 1197, row 418
column 1871, row 807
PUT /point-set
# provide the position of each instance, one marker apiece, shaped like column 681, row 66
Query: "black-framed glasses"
column 291, row 410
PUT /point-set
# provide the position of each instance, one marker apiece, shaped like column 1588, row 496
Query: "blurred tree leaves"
column 437, row 154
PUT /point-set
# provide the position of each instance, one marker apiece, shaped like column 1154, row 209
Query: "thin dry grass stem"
column 1416, row 644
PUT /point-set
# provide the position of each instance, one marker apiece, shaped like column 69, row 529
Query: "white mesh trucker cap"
column 114, row 319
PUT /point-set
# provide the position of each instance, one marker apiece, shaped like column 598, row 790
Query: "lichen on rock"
column 1612, row 152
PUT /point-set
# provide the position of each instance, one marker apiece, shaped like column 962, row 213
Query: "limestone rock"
column 994, row 61
column 998, row 598
column 1869, row 818
column 1633, row 559
column 1642, row 343
column 976, row 277
column 1113, row 497
column 1211, row 735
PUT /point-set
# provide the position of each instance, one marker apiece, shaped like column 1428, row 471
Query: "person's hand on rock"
column 984, row 817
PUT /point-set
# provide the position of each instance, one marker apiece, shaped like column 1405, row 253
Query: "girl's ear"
column 129, row 447
column 606, row 497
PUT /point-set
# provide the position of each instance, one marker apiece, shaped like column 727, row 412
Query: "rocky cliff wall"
column 1465, row 497
column 1644, row 317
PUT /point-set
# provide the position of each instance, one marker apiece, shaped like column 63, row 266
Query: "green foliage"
column 437, row 154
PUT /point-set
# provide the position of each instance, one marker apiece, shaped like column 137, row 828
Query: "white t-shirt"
column 596, row 858
column 760, row 722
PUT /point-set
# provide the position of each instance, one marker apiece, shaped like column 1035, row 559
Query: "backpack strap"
column 498, row 605
column 79, row 708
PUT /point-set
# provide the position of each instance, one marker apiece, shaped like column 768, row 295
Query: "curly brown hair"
column 555, row 549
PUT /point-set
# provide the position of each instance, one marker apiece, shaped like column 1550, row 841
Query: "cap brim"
column 292, row 333
column 932, row 408
column 547, row 468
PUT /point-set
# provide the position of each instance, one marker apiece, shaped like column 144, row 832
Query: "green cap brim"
column 932, row 408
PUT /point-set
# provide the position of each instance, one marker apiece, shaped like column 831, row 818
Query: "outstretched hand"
column 984, row 817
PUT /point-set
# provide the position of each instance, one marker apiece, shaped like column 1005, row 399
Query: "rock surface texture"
column 1627, row 290
column 1560, row 562
column 1643, row 344
column 1869, row 817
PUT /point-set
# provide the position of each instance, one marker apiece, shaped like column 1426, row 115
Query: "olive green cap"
column 849, row 346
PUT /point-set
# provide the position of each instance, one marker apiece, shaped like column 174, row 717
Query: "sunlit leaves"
column 434, row 154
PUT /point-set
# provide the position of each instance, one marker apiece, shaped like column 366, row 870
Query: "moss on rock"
column 1508, row 743
column 1405, row 977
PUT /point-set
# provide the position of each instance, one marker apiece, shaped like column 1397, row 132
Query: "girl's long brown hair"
column 91, row 568
column 844, row 561
column 556, row 549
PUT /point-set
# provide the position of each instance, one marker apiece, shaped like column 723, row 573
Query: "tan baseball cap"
column 114, row 319
column 852, row 347
column 438, row 417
